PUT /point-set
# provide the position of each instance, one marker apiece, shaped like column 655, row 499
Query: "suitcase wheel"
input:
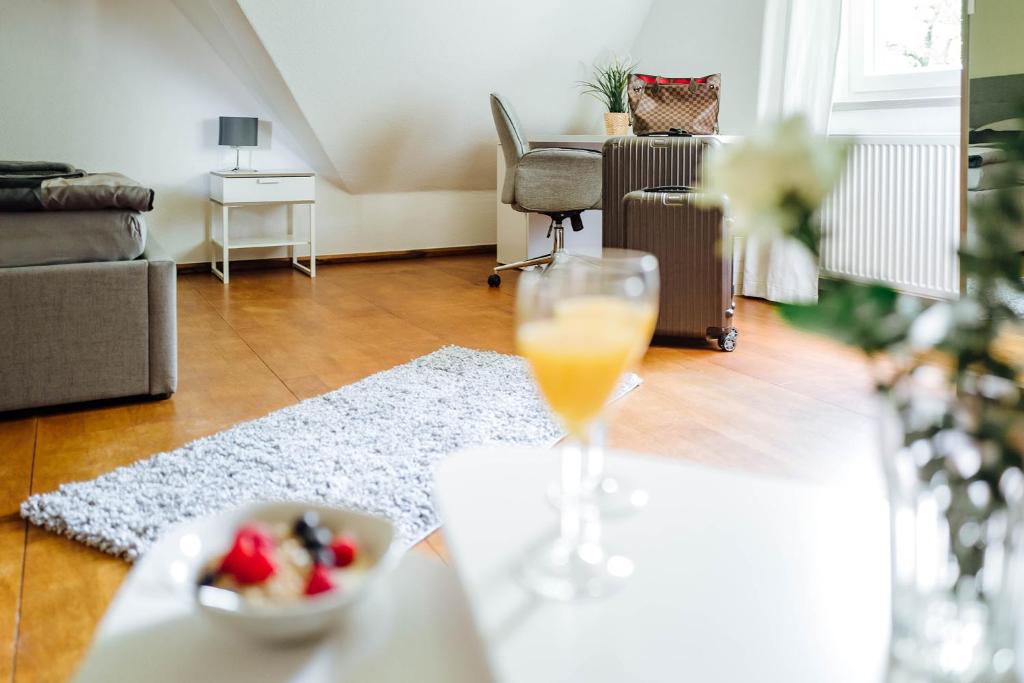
column 494, row 280
column 727, row 340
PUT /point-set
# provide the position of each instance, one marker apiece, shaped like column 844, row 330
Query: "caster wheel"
column 494, row 280
column 727, row 340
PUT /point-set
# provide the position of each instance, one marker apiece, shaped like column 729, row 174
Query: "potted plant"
column 952, row 419
column 609, row 87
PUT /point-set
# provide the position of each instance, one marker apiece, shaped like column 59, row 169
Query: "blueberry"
column 309, row 520
column 208, row 578
column 316, row 537
column 322, row 556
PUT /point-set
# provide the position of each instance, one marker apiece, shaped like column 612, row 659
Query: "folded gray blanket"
column 46, row 186
column 95, row 191
column 30, row 174
column 29, row 167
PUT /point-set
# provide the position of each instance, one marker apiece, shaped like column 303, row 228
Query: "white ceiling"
column 395, row 91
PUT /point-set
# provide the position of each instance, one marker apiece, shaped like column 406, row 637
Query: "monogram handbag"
column 674, row 106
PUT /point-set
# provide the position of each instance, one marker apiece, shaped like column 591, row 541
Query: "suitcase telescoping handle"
column 670, row 188
column 671, row 194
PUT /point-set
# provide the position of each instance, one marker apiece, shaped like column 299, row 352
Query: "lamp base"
column 237, row 168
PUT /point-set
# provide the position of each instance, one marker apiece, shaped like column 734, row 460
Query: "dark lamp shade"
column 238, row 131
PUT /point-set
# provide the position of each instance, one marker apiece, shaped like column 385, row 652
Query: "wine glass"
column 580, row 325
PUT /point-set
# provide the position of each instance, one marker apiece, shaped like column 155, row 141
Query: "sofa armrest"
column 163, row 319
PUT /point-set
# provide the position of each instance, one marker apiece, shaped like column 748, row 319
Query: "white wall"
column 136, row 87
column 133, row 87
column 696, row 38
column 229, row 33
column 397, row 90
column 900, row 120
column 125, row 86
column 996, row 45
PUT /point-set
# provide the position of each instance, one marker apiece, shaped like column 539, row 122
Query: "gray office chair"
column 558, row 183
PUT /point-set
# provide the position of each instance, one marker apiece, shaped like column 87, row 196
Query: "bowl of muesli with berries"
column 290, row 571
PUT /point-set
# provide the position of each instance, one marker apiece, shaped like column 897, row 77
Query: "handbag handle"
column 647, row 79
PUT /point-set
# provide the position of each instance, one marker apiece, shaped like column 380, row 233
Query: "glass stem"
column 574, row 459
column 593, row 457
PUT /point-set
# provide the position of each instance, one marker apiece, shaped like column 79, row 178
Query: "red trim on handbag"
column 662, row 80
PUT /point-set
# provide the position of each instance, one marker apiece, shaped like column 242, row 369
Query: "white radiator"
column 895, row 215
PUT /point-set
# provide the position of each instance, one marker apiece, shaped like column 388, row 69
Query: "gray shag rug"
column 369, row 446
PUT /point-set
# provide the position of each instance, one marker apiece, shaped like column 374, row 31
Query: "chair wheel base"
column 494, row 280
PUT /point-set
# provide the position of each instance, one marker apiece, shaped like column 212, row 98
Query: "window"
column 900, row 50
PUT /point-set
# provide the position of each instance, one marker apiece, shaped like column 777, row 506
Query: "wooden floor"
column 783, row 404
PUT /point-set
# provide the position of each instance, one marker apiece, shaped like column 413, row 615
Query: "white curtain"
column 798, row 63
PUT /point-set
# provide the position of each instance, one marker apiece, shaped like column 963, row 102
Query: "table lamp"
column 238, row 131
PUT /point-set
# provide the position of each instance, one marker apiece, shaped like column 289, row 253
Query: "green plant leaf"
column 867, row 316
column 608, row 85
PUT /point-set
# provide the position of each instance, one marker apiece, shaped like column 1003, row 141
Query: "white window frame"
column 855, row 84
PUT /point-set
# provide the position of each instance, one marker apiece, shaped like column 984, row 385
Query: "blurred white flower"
column 770, row 178
column 931, row 327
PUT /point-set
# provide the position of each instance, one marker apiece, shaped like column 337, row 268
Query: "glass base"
column 613, row 497
column 562, row 571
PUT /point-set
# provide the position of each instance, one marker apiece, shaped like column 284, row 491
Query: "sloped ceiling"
column 395, row 91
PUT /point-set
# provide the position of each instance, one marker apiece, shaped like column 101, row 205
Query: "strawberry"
column 256, row 568
column 344, row 548
column 319, row 581
column 258, row 534
column 250, row 559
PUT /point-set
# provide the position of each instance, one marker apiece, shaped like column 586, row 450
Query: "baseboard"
column 326, row 259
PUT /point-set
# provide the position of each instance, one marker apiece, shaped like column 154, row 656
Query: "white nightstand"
column 229, row 189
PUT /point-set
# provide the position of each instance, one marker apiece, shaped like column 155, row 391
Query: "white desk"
column 254, row 188
column 738, row 578
column 524, row 235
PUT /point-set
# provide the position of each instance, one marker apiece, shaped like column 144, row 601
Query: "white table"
column 415, row 625
column 229, row 189
column 738, row 578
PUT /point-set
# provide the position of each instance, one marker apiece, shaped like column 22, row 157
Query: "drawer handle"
column 261, row 181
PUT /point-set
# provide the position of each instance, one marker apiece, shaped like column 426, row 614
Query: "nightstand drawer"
column 263, row 189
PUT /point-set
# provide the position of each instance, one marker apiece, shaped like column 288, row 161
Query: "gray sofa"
column 76, row 332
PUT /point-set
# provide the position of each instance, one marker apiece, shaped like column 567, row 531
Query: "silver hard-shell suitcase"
column 694, row 250
column 635, row 162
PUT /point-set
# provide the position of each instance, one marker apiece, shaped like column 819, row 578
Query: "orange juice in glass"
column 636, row 317
column 579, row 354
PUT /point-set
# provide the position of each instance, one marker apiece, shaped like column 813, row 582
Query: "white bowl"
column 307, row 617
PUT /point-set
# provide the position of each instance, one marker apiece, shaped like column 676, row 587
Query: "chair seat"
column 558, row 180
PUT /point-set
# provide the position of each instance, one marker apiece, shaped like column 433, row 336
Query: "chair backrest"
column 513, row 143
